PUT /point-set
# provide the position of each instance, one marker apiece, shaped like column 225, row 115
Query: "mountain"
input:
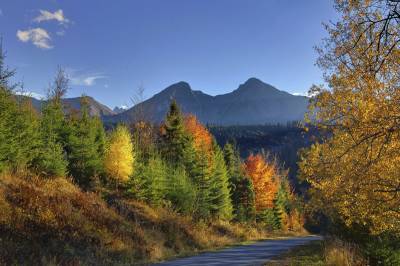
column 120, row 109
column 95, row 108
column 253, row 102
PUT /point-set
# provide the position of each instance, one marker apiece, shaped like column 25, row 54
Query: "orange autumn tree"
column 265, row 177
column 201, row 137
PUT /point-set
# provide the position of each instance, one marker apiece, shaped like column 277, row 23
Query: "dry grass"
column 330, row 252
column 339, row 253
column 52, row 222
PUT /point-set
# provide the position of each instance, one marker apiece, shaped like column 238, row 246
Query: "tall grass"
column 340, row 253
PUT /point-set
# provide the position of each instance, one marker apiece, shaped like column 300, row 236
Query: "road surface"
column 256, row 253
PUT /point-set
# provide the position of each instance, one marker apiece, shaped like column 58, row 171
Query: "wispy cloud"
column 56, row 15
column 81, row 78
column 1, row 12
column 38, row 36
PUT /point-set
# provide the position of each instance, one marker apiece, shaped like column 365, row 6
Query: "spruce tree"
column 51, row 160
column 181, row 192
column 149, row 181
column 200, row 174
column 26, row 134
column 174, row 137
column 7, row 112
column 282, row 204
column 85, row 147
column 220, row 191
column 18, row 125
column 241, row 187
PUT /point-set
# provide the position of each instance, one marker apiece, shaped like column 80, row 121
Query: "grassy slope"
column 53, row 222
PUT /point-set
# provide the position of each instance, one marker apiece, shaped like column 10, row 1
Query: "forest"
column 73, row 191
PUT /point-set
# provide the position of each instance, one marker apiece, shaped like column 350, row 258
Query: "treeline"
column 178, row 165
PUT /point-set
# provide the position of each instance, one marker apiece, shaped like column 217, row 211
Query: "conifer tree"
column 181, row 192
column 200, row 174
column 241, row 187
column 246, row 208
column 18, row 125
column 220, row 191
column 85, row 147
column 51, row 160
column 282, row 206
column 26, row 134
column 174, row 137
column 149, row 181
column 7, row 111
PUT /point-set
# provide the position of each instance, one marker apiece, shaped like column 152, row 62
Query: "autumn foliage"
column 119, row 156
column 265, row 180
column 201, row 136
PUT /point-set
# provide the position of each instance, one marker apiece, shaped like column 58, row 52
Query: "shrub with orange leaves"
column 265, row 179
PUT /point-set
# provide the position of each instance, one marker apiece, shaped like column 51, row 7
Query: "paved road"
column 252, row 254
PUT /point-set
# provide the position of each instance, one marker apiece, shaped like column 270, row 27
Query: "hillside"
column 253, row 102
column 53, row 222
column 95, row 108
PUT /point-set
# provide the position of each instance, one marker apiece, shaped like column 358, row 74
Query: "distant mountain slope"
column 254, row 102
column 95, row 108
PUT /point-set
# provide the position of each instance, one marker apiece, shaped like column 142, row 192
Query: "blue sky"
column 110, row 48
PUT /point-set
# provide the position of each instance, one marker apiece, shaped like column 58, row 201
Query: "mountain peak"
column 254, row 82
column 179, row 88
column 182, row 85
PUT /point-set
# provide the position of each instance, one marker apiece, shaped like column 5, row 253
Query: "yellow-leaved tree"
column 354, row 170
column 119, row 155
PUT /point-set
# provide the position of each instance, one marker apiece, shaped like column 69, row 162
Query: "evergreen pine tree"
column 51, row 160
column 241, row 187
column 18, row 125
column 200, row 174
column 220, row 191
column 85, row 147
column 181, row 192
column 174, row 137
column 282, row 205
column 246, row 209
column 7, row 111
column 26, row 134
column 149, row 181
